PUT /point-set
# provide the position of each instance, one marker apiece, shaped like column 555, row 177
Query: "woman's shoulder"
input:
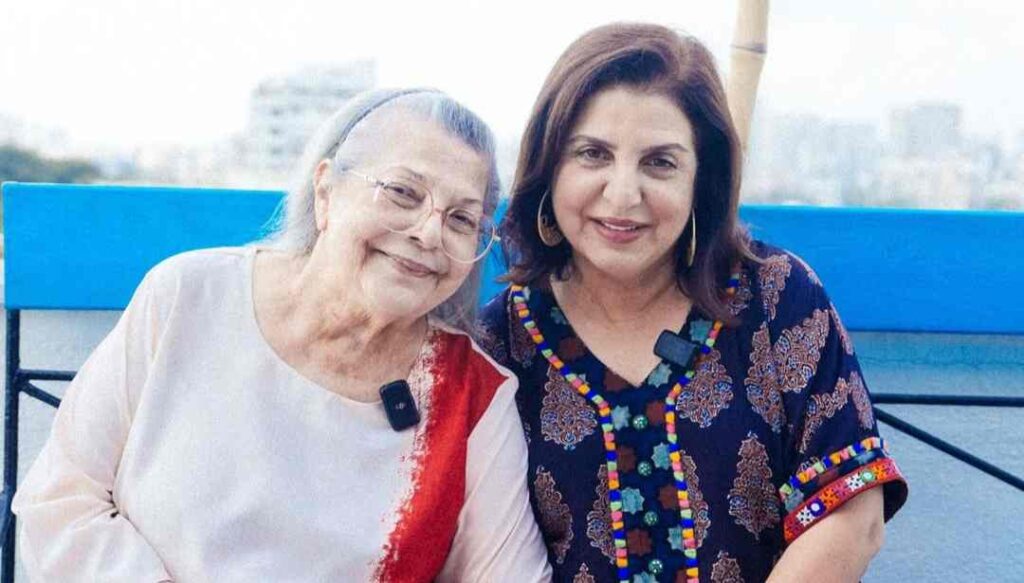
column 198, row 277
column 470, row 374
column 782, row 284
column 200, row 264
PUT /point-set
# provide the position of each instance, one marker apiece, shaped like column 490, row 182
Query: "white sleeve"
column 71, row 529
column 497, row 537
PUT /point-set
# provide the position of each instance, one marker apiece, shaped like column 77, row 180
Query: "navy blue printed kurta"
column 776, row 431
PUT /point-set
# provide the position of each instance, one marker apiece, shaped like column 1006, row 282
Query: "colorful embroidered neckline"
column 686, row 522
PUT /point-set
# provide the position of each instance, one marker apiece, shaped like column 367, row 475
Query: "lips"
column 411, row 267
column 619, row 230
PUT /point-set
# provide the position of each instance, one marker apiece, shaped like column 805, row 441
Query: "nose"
column 623, row 188
column 428, row 232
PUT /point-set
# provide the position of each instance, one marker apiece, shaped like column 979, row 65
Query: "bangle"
column 759, row 48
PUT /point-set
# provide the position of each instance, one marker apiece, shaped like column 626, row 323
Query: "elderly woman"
column 692, row 403
column 307, row 410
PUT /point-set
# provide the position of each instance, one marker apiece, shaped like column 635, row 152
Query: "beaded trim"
column 608, row 430
column 837, row 493
column 792, row 492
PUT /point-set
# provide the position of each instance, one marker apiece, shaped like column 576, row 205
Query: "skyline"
column 181, row 72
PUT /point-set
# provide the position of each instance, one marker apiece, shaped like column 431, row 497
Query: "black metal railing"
column 19, row 381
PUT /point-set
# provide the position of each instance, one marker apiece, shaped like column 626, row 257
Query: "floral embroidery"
column 726, row 569
column 844, row 336
column 599, row 519
column 741, row 299
column 798, row 350
column 824, row 406
column 660, row 375
column 620, row 417
column 675, row 538
column 762, row 381
column 565, row 416
column 583, row 576
column 667, row 497
column 752, row 499
column 632, row 500
column 571, row 348
column 660, row 456
column 627, row 458
column 708, row 393
column 554, row 514
column 699, row 330
column 558, row 317
column 638, row 541
column 613, row 383
column 772, row 276
column 837, row 493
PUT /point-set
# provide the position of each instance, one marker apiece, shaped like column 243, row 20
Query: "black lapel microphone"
column 399, row 405
column 673, row 348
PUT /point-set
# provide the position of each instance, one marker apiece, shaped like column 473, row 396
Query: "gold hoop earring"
column 692, row 251
column 547, row 228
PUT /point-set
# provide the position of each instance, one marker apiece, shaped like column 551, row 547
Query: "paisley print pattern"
column 844, row 336
column 554, row 515
column 798, row 351
column 726, row 569
column 566, row 417
column 599, row 519
column 752, row 499
column 772, row 277
column 708, row 393
column 768, row 403
column 824, row 406
column 762, row 382
column 741, row 299
column 701, row 512
column 583, row 576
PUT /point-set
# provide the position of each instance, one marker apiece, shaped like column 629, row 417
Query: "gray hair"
column 293, row 229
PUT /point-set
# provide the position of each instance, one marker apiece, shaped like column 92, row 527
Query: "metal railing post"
column 12, row 394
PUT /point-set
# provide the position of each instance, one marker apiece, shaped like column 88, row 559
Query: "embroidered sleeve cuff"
column 814, row 493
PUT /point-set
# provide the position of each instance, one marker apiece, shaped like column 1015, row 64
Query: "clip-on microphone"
column 399, row 405
column 671, row 347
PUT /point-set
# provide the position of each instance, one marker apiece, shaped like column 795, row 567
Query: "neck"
column 329, row 318
column 616, row 300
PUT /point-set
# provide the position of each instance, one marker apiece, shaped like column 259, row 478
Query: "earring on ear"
column 547, row 228
column 692, row 251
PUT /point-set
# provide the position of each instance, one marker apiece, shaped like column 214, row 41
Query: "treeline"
column 21, row 165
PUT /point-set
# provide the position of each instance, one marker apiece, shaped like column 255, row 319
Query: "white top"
column 187, row 450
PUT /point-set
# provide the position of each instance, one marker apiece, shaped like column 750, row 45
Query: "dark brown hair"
column 653, row 59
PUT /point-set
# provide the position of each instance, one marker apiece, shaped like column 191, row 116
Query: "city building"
column 284, row 112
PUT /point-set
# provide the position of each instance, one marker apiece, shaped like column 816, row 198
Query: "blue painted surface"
column 908, row 270
column 87, row 247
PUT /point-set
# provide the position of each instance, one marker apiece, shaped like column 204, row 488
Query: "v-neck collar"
column 555, row 326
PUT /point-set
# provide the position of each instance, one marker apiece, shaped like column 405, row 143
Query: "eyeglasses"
column 466, row 235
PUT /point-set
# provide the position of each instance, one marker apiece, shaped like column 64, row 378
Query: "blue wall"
column 86, row 247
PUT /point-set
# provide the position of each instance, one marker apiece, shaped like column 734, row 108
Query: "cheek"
column 571, row 193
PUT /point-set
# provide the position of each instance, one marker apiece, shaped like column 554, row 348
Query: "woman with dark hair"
column 692, row 403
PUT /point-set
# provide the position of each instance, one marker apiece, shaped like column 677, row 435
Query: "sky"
column 122, row 73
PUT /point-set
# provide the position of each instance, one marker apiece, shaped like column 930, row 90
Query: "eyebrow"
column 659, row 147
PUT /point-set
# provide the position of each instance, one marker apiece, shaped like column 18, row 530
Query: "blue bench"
column 87, row 247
